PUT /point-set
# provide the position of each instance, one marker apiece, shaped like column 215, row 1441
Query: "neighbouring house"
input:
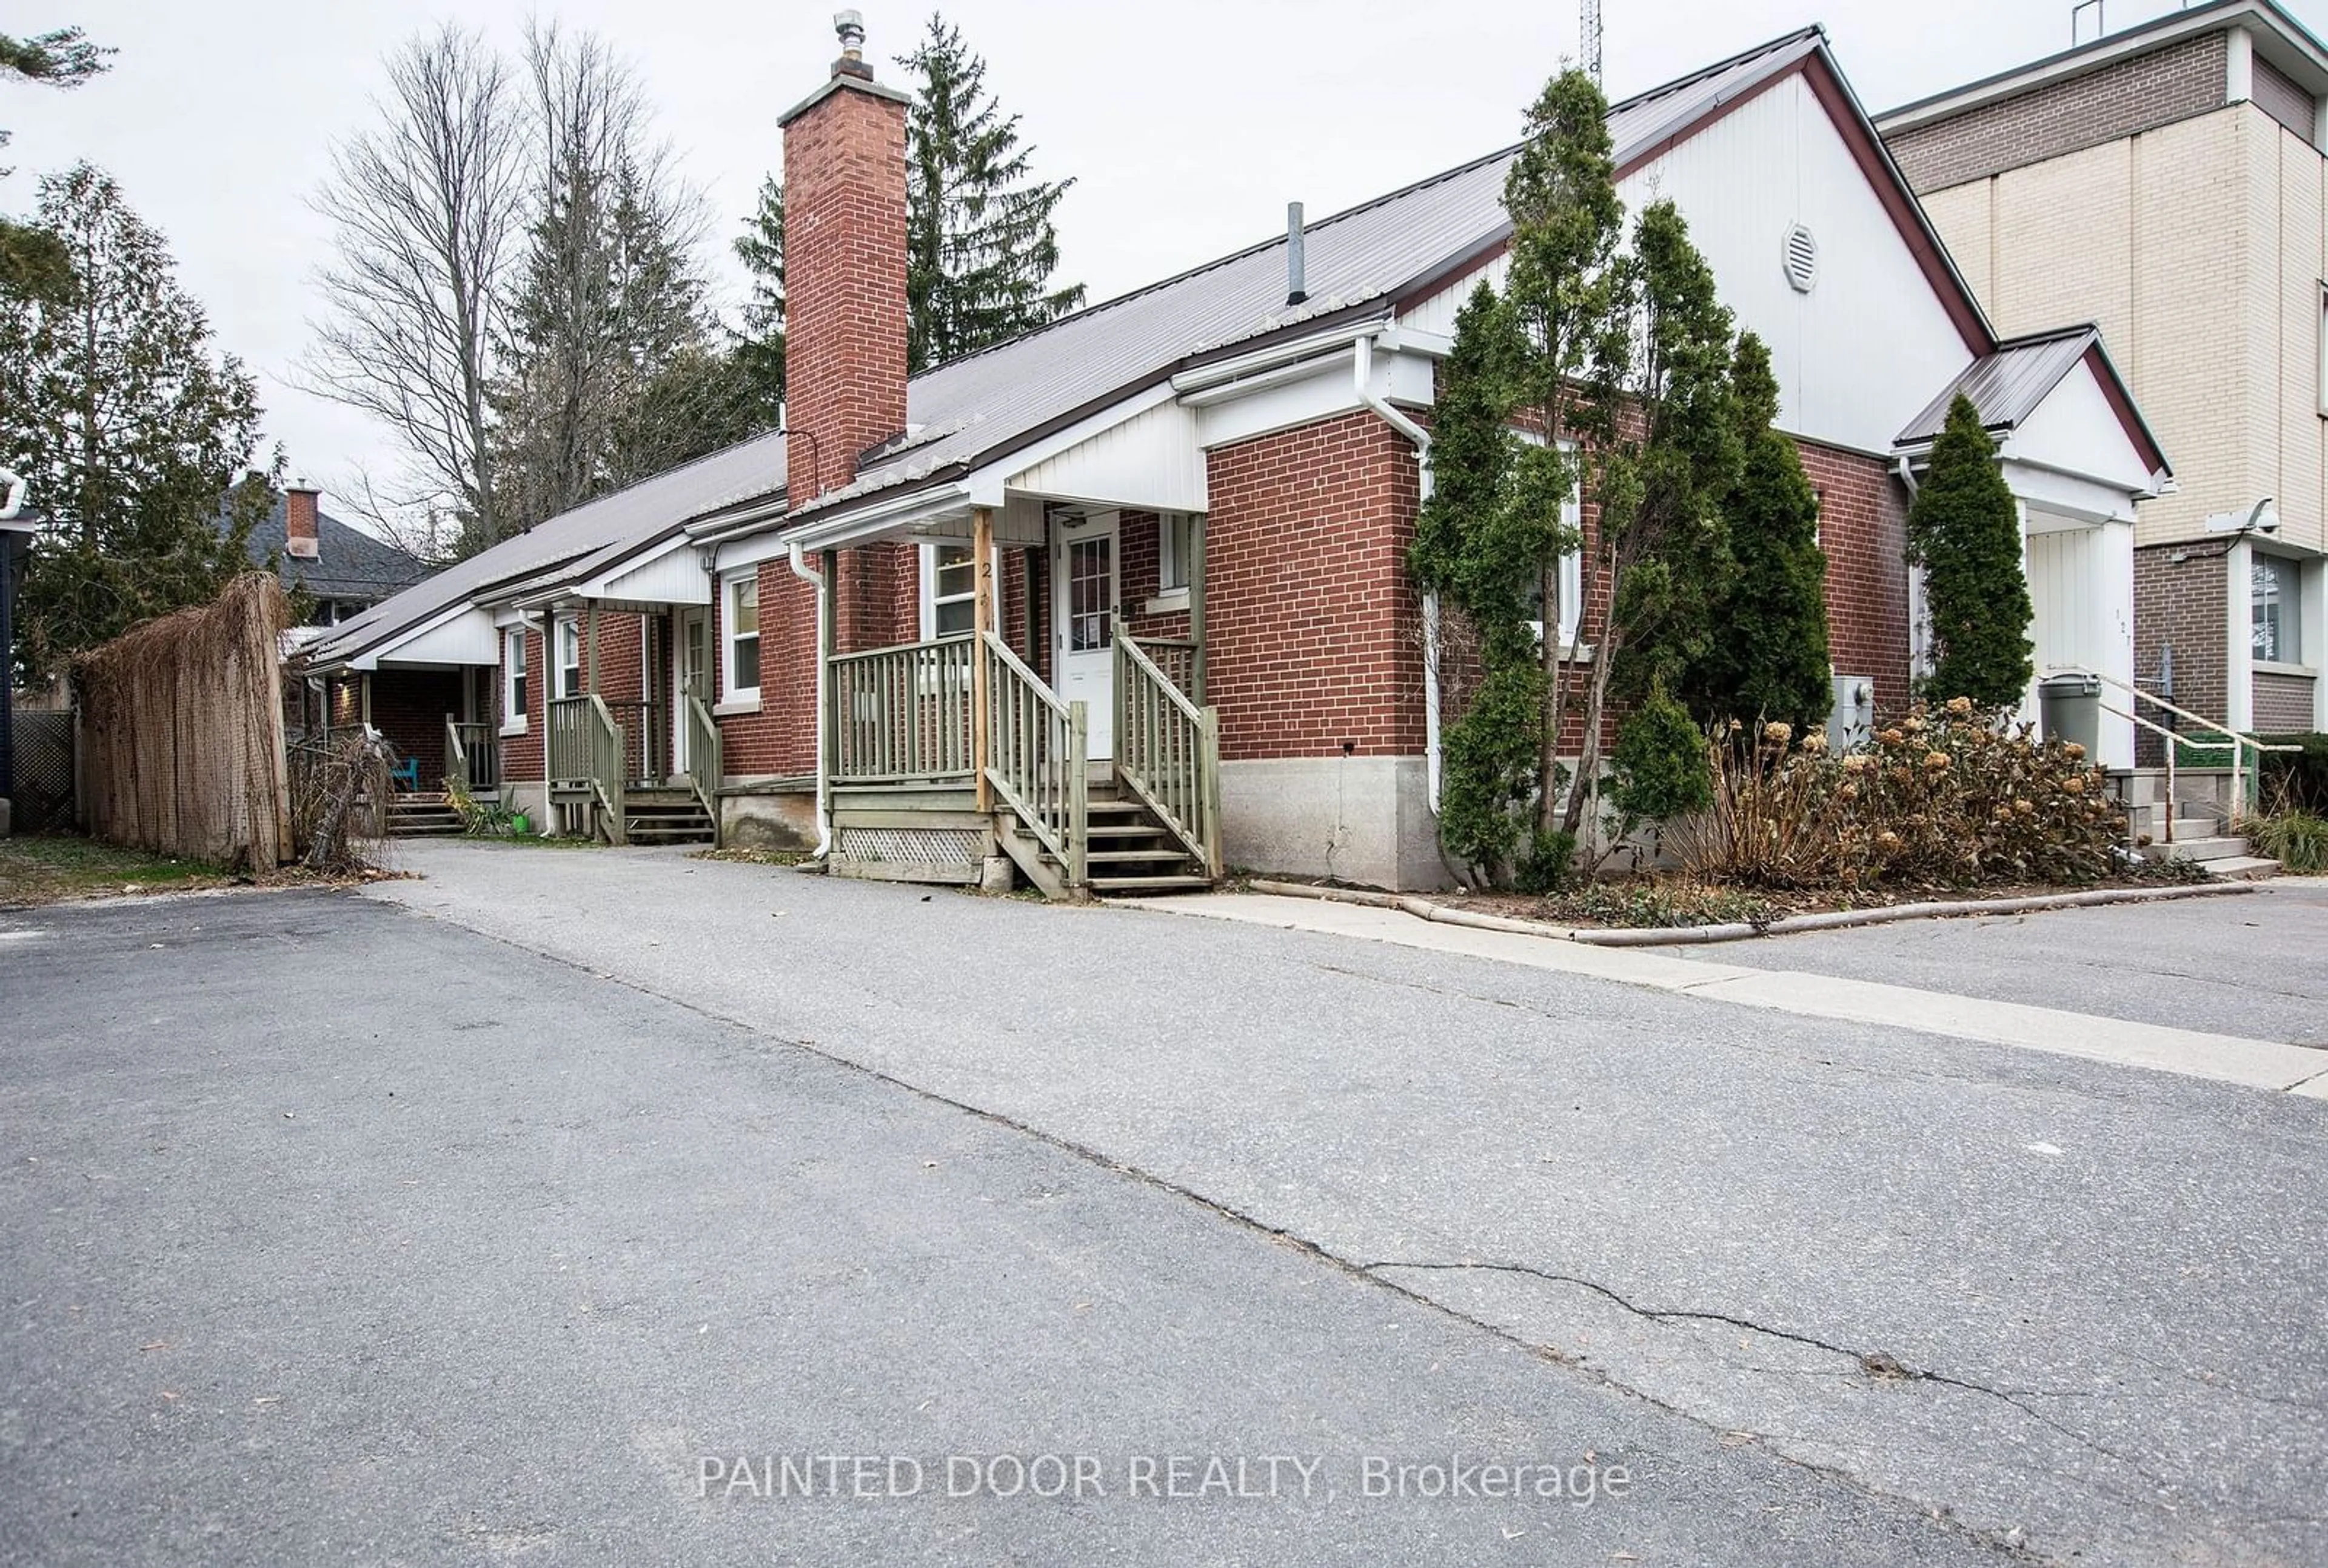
column 341, row 571
column 1126, row 601
column 2167, row 182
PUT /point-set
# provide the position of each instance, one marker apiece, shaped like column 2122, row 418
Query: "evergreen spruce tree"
column 1964, row 531
column 980, row 244
column 129, row 428
column 1769, row 656
column 759, row 350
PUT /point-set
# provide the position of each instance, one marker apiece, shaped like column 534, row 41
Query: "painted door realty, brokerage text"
column 1195, row 1477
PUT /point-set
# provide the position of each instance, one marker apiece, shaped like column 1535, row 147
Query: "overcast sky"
column 1188, row 124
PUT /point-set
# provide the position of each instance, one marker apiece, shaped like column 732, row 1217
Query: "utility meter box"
column 1851, row 719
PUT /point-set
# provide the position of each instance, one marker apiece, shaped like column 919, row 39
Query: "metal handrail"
column 2233, row 741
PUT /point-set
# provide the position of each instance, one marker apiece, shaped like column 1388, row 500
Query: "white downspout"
column 814, row 579
column 541, row 678
column 1362, row 369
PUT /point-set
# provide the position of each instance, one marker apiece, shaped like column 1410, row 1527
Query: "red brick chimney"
column 300, row 539
column 845, row 311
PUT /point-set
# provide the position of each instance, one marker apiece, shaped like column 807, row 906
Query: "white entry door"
column 1086, row 557
column 691, row 677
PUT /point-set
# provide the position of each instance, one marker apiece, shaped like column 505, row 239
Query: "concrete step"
column 2245, row 868
column 2207, row 848
column 2197, row 827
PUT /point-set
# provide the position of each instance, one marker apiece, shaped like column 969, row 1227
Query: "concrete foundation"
column 768, row 819
column 1357, row 819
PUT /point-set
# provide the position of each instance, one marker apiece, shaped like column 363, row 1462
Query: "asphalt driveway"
column 2072, row 1305
column 333, row 1233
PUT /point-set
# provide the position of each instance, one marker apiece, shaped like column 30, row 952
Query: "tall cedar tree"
column 980, row 244
column 1661, row 422
column 1567, row 223
column 32, row 260
column 1964, row 531
column 1474, row 547
column 1769, row 656
column 113, row 406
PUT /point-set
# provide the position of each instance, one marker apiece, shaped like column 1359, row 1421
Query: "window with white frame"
column 739, row 629
column 2275, row 593
column 949, row 591
column 1172, row 552
column 568, row 662
column 1569, row 581
column 513, row 676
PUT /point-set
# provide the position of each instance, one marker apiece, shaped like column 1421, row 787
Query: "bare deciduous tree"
column 427, row 208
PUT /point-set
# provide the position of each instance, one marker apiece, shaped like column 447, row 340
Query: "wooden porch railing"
column 1167, row 750
column 587, row 749
column 705, row 767
column 642, row 727
column 902, row 715
column 1037, row 759
column 1177, row 658
column 473, row 755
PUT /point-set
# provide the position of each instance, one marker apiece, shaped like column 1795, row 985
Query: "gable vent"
column 1801, row 259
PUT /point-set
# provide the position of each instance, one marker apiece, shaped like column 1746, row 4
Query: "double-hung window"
column 739, row 626
column 949, row 590
column 513, row 677
column 568, row 662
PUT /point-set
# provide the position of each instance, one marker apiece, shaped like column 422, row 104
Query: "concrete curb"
column 1698, row 936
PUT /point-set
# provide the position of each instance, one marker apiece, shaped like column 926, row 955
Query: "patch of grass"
column 2297, row 839
column 46, row 868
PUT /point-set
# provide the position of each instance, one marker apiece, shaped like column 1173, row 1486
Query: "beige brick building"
column 2167, row 182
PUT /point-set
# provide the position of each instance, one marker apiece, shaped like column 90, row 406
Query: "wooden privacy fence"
column 182, row 732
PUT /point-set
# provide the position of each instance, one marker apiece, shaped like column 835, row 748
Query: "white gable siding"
column 466, row 638
column 2076, row 431
column 1863, row 352
column 1150, row 461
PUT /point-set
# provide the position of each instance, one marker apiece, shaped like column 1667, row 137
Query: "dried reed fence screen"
column 182, row 731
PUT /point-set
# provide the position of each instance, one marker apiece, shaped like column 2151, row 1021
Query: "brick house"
column 2168, row 183
column 1124, row 601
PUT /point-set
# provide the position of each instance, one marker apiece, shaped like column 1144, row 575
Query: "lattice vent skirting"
column 949, row 847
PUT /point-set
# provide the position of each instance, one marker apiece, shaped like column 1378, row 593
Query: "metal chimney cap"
column 851, row 25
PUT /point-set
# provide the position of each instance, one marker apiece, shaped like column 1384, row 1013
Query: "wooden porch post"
column 1196, row 606
column 981, row 621
column 364, row 693
column 590, row 688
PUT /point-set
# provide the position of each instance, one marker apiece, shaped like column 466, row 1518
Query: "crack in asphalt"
column 1999, row 1539
column 1876, row 1366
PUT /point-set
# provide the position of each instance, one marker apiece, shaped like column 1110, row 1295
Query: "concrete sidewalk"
column 1808, row 992
column 2101, row 1282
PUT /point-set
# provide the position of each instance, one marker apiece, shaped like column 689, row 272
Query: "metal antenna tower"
column 1592, row 21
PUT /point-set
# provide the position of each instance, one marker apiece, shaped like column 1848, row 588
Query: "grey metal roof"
column 985, row 405
column 607, row 527
column 980, row 407
column 350, row 564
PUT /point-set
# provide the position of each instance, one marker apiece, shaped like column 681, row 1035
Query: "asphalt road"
column 1930, row 1297
column 330, row 1233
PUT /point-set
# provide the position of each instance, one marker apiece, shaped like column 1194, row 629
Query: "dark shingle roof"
column 351, row 564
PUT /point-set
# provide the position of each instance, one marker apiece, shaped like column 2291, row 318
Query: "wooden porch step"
column 1172, row 852
column 1187, row 883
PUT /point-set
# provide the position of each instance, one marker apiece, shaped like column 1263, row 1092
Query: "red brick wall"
column 1863, row 530
column 1139, row 572
column 2132, row 94
column 1308, row 607
column 521, row 754
column 845, row 316
column 780, row 739
column 409, row 708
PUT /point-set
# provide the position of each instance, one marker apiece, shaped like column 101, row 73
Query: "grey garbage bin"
column 2069, row 708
